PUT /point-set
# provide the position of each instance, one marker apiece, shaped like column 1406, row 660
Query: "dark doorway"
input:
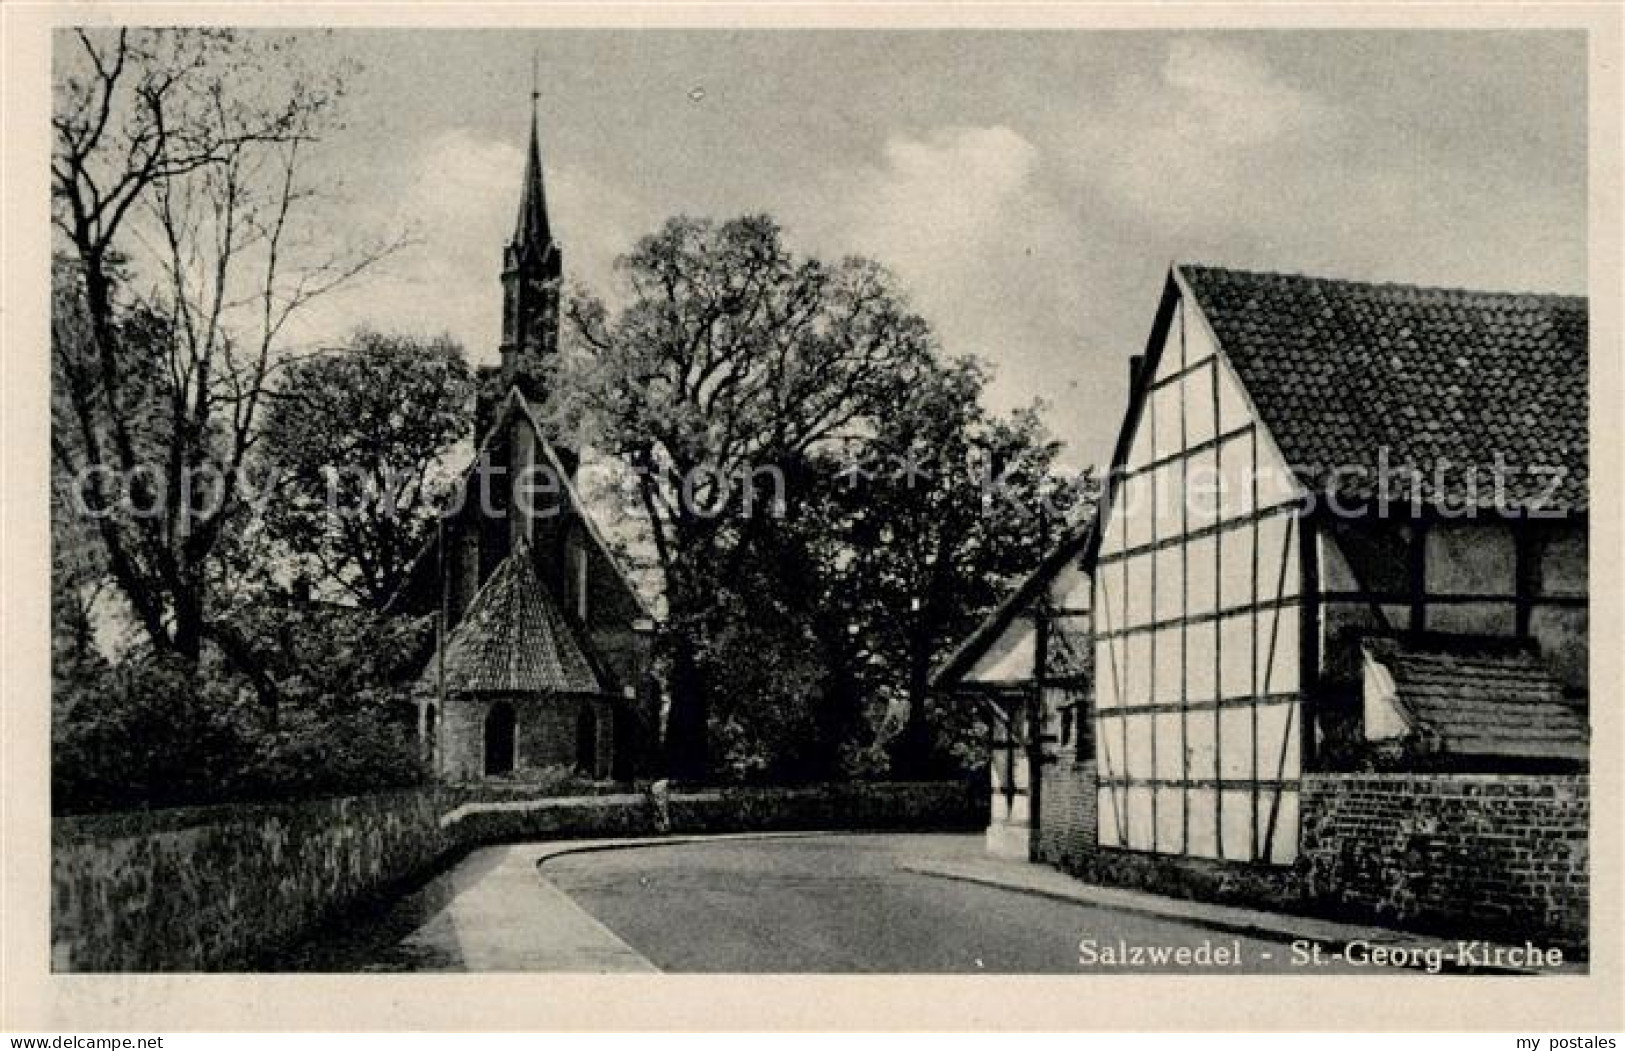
column 587, row 740
column 499, row 739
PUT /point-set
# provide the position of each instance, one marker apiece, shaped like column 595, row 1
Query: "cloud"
column 962, row 215
column 1232, row 98
column 1176, row 148
column 933, row 203
column 457, row 199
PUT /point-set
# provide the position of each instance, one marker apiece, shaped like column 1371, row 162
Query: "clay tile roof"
column 513, row 639
column 1341, row 370
column 1483, row 697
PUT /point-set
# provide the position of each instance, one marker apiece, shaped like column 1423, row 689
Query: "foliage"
column 802, row 629
column 733, row 359
column 357, row 440
column 146, row 732
column 768, row 691
column 157, row 730
column 957, row 507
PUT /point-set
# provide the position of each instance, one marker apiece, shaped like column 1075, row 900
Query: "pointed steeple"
column 531, row 273
column 532, row 231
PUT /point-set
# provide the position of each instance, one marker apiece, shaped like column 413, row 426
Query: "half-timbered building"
column 1346, row 528
column 1344, row 532
column 1027, row 666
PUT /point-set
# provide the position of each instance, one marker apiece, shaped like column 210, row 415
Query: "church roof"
column 1354, row 379
column 513, row 639
column 515, row 410
column 531, row 230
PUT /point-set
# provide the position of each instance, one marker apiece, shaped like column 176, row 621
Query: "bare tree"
column 181, row 196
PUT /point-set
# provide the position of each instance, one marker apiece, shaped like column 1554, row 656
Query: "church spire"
column 532, row 230
column 531, row 273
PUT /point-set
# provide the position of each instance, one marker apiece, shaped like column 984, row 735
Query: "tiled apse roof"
column 513, row 639
column 1340, row 370
column 1478, row 698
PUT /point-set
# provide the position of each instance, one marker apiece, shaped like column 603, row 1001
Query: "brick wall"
column 1477, row 855
column 1505, row 852
column 1066, row 805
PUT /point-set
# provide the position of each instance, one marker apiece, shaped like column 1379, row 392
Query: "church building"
column 542, row 664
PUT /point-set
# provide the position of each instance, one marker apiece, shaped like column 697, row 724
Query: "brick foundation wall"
column 1066, row 805
column 1506, row 852
column 1477, row 855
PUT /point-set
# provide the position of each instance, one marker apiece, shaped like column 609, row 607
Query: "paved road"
column 824, row 904
column 839, row 904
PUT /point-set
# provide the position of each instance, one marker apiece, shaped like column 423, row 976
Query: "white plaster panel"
column 1137, row 596
column 1201, row 808
column 1137, row 687
column 1236, row 823
column 1170, row 820
column 1201, row 572
column 1279, row 751
column 1201, row 673
column 1170, row 602
column 1170, row 760
column 1170, row 684
column 1202, row 483
column 1235, row 496
column 1201, row 756
column 1281, row 674
column 1236, row 655
column 1140, row 827
column 1236, row 744
column 1236, row 566
column 1166, row 422
column 1198, row 397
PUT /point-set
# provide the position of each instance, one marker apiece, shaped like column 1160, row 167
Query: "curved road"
column 807, row 904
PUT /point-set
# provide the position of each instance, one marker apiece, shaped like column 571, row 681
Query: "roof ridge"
column 1567, row 298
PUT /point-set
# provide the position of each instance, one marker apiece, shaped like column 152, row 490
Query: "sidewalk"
column 1034, row 878
column 480, row 930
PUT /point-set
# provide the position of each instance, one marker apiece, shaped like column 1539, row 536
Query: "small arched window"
column 499, row 739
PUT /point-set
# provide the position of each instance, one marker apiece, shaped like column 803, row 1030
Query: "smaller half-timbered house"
column 1027, row 665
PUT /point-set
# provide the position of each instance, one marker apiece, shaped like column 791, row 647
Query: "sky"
column 1030, row 189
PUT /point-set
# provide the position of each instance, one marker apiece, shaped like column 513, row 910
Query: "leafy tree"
column 732, row 360
column 358, row 440
column 146, row 732
column 909, row 537
column 158, row 730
